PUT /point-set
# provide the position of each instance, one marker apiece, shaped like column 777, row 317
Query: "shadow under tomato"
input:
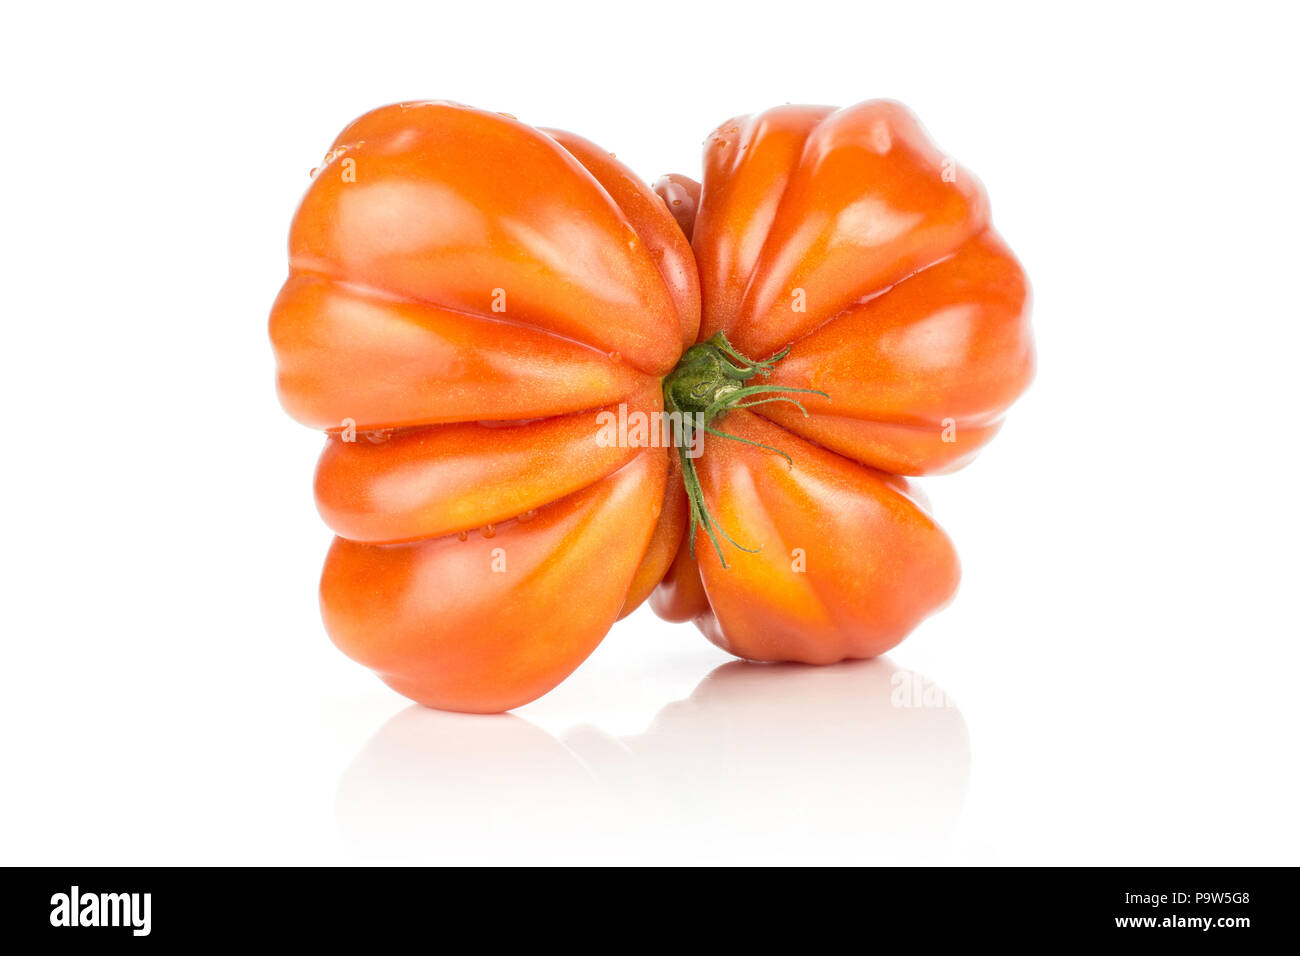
column 857, row 762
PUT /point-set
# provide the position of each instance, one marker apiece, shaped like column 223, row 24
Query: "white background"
column 1122, row 654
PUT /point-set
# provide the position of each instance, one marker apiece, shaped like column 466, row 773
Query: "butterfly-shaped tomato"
column 471, row 301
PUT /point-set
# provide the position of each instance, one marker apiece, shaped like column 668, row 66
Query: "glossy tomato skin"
column 848, row 238
column 846, row 560
column 493, row 621
column 466, row 295
column 681, row 195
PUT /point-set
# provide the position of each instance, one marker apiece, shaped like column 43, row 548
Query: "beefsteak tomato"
column 471, row 299
column 466, row 294
column 846, row 240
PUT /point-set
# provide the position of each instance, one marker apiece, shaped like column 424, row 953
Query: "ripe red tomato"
column 465, row 295
column 847, row 238
column 468, row 296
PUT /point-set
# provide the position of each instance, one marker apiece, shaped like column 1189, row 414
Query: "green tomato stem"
column 709, row 381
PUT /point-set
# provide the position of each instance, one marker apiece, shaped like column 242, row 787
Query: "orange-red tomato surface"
column 467, row 295
column 848, row 237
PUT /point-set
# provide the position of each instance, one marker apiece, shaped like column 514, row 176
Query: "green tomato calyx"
column 711, row 379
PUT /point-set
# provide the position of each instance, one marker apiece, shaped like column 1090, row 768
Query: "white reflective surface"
column 862, row 760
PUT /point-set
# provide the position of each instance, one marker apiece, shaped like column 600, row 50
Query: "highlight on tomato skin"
column 848, row 244
column 439, row 626
column 466, row 294
column 682, row 196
